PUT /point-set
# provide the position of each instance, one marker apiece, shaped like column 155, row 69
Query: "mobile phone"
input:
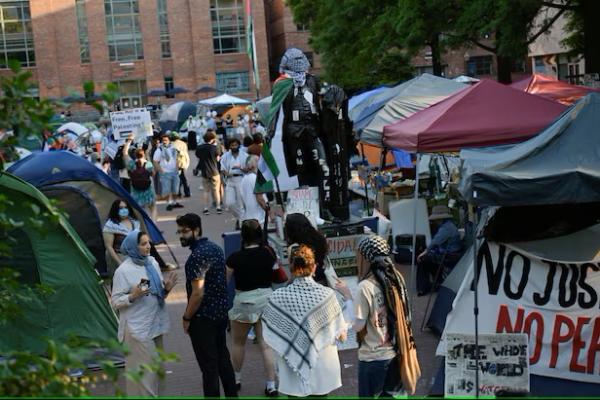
column 144, row 284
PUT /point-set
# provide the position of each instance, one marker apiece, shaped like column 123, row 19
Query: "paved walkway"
column 184, row 377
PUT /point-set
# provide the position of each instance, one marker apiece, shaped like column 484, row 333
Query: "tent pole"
column 413, row 266
column 473, row 217
column 362, row 150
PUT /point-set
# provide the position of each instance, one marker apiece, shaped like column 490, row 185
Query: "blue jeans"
column 378, row 378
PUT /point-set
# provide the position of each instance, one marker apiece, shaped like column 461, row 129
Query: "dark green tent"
column 58, row 259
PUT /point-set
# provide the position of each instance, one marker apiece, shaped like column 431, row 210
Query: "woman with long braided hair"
column 381, row 297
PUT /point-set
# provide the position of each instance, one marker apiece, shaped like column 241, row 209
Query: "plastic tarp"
column 485, row 114
column 359, row 98
column 553, row 89
column 410, row 97
column 54, row 167
column 57, row 258
column 561, row 165
column 223, row 100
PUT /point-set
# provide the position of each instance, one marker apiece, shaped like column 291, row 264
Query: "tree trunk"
column 591, row 32
column 436, row 56
column 504, row 69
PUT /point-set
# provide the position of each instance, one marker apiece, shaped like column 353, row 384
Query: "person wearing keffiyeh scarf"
column 381, row 297
column 138, row 294
column 301, row 324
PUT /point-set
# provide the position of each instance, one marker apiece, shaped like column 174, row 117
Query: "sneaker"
column 206, row 212
column 219, row 210
column 271, row 392
column 177, row 205
column 169, row 207
column 169, row 267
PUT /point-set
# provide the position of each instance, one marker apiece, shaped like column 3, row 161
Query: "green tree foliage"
column 354, row 41
column 61, row 370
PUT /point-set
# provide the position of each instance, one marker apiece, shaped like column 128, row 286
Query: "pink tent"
column 550, row 88
column 485, row 114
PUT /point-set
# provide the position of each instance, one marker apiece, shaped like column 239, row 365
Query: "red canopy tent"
column 553, row 89
column 485, row 114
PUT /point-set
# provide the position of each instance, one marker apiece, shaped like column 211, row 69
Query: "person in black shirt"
column 298, row 230
column 252, row 268
column 208, row 158
column 205, row 316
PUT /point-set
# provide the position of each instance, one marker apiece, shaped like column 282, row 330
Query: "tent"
column 73, row 127
column 57, row 258
column 558, row 166
column 551, row 88
column 466, row 79
column 223, row 100
column 175, row 115
column 358, row 98
column 410, row 97
column 85, row 192
column 485, row 114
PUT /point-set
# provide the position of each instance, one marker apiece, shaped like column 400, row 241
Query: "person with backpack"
column 141, row 171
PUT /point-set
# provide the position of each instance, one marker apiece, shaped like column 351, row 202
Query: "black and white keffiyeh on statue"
column 301, row 324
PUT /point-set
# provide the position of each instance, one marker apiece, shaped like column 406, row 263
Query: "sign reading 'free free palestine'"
column 136, row 121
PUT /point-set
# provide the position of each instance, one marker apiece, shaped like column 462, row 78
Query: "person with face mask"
column 139, row 294
column 165, row 162
column 232, row 164
column 206, row 314
column 121, row 221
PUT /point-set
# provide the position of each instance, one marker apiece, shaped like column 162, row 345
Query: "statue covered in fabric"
column 301, row 137
column 338, row 142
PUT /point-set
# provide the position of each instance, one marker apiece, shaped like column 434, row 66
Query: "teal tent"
column 58, row 259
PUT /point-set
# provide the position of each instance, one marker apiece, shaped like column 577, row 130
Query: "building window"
column 228, row 26
column 169, row 85
column 132, row 94
column 481, row 65
column 301, row 27
column 82, row 31
column 163, row 23
column 232, row 82
column 123, row 30
column 16, row 36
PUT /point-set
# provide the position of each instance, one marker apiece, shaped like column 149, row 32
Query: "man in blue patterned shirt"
column 205, row 317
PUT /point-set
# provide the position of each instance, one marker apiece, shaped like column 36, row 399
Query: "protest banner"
column 136, row 121
column 554, row 302
column 503, row 364
column 304, row 201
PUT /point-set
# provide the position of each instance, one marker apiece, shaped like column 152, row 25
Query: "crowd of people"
column 296, row 326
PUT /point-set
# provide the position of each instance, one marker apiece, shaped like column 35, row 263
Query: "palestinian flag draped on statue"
column 268, row 167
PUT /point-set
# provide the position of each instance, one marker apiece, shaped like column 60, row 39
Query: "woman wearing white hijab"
column 139, row 294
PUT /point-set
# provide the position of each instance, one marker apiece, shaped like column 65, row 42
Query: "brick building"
column 285, row 33
column 138, row 44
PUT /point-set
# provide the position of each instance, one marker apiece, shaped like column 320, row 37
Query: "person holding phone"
column 139, row 294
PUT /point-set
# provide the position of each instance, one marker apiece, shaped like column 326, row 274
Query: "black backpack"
column 141, row 179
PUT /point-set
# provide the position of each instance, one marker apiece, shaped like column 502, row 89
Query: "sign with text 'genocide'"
column 554, row 302
column 503, row 364
column 136, row 121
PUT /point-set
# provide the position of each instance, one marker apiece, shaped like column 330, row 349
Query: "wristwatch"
column 187, row 319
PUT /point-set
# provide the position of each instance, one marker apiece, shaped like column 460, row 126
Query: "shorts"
column 169, row 183
column 212, row 183
column 248, row 306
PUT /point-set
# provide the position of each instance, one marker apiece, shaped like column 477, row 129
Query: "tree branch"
column 464, row 39
column 546, row 26
column 564, row 7
column 483, row 46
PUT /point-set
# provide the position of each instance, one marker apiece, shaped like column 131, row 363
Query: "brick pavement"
column 184, row 377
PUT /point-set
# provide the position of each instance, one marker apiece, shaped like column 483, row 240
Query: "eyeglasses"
column 181, row 231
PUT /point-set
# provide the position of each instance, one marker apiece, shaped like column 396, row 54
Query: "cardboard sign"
column 111, row 150
column 503, row 364
column 134, row 120
column 342, row 254
column 554, row 302
column 304, row 201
